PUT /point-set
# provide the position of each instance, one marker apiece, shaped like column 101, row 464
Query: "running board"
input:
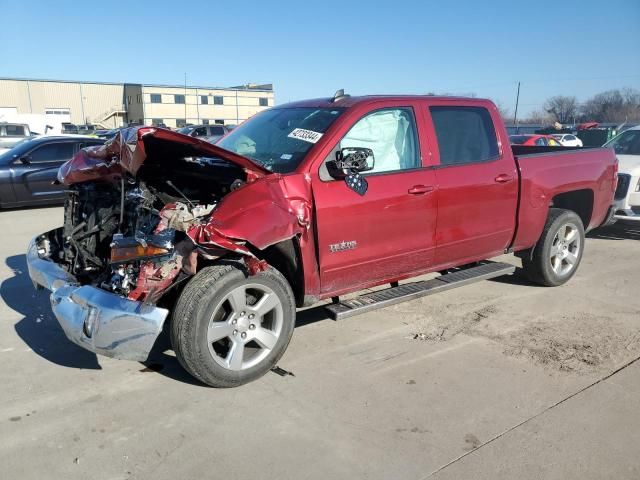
column 409, row 291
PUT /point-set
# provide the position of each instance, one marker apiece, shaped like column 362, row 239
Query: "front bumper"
column 624, row 210
column 100, row 321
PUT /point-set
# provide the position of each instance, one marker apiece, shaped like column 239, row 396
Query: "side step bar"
column 409, row 291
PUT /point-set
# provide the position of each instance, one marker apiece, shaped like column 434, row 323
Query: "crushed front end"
column 136, row 223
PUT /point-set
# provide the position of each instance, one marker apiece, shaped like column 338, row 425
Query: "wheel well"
column 579, row 201
column 285, row 257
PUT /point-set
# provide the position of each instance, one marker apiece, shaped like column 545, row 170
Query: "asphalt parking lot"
column 499, row 379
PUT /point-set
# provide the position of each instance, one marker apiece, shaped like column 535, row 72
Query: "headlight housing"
column 126, row 249
column 136, row 252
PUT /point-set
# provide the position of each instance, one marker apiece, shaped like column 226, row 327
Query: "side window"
column 541, row 142
column 217, row 131
column 16, row 130
column 391, row 134
column 200, row 132
column 465, row 135
column 54, row 152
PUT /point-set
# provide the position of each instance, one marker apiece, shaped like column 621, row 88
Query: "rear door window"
column 217, row 130
column 53, row 152
column 465, row 135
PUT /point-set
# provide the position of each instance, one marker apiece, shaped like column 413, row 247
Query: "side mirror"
column 26, row 159
column 351, row 160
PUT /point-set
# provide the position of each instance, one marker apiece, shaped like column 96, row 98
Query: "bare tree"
column 562, row 109
column 613, row 106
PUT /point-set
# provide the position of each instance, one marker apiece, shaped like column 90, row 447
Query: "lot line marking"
column 560, row 402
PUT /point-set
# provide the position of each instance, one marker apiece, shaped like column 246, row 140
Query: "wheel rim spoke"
column 250, row 331
column 218, row 331
column 265, row 338
column 268, row 302
column 565, row 249
column 238, row 299
column 235, row 356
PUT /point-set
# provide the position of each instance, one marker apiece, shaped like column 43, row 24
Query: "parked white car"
column 567, row 140
column 627, row 196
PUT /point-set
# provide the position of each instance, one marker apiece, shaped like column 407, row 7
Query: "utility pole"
column 237, row 110
column 515, row 114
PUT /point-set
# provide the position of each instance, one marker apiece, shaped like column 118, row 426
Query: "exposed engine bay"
column 127, row 234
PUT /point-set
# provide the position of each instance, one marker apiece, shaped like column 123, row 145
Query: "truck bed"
column 582, row 179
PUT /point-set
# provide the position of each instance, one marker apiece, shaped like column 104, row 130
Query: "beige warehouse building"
column 111, row 105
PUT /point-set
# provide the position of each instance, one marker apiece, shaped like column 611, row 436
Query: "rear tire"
column 556, row 256
column 228, row 328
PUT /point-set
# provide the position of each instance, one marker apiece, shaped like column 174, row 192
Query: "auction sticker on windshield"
column 305, row 135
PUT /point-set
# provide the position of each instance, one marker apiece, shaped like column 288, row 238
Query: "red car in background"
column 534, row 140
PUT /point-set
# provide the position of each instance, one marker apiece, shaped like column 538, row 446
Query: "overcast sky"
column 310, row 49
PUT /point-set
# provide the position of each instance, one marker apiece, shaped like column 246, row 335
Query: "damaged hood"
column 127, row 151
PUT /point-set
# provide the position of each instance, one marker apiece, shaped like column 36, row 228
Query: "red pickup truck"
column 218, row 244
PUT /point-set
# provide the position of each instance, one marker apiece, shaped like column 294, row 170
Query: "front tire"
column 228, row 328
column 556, row 256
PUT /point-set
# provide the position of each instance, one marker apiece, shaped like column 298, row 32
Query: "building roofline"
column 242, row 88
column 200, row 87
column 21, row 79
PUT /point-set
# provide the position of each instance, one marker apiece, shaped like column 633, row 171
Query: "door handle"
column 420, row 189
column 503, row 178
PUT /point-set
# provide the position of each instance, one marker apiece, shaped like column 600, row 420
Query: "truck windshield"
column 279, row 138
column 627, row 143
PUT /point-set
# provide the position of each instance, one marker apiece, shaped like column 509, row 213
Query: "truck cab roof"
column 348, row 101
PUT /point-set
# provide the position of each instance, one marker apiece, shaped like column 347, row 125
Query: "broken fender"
column 261, row 213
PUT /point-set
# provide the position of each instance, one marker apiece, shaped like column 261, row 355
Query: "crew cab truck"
column 307, row 201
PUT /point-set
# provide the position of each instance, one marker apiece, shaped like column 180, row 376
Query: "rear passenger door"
column 477, row 183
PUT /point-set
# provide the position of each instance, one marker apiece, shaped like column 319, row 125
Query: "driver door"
column 389, row 232
column 33, row 181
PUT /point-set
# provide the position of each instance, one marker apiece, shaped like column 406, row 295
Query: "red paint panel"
column 477, row 202
column 393, row 229
column 547, row 175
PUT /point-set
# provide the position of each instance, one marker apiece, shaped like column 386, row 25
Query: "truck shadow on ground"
column 162, row 360
column 617, row 231
column 38, row 328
